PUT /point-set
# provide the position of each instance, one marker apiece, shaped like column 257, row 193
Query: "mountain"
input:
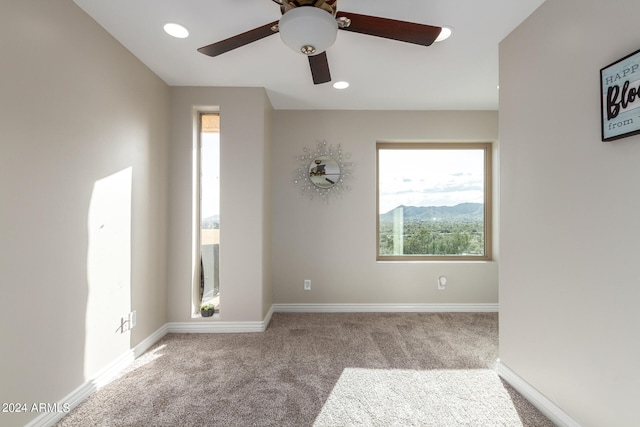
column 460, row 212
column 214, row 218
column 211, row 222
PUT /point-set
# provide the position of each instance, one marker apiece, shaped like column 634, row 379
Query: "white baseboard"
column 219, row 327
column 384, row 308
column 537, row 399
column 146, row 343
column 102, row 378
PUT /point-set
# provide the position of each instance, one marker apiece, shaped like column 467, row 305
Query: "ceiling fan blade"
column 239, row 40
column 402, row 31
column 320, row 68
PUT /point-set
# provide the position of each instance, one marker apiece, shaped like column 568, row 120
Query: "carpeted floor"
column 330, row 369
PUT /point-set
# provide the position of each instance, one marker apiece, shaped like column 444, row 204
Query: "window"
column 434, row 201
column 208, row 181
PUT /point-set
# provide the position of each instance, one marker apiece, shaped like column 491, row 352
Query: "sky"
column 210, row 178
column 430, row 177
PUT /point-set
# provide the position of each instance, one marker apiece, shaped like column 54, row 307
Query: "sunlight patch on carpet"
column 380, row 397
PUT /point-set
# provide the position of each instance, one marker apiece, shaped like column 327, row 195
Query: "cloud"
column 425, row 178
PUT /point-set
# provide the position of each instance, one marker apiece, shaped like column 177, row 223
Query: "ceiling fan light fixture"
column 445, row 33
column 308, row 30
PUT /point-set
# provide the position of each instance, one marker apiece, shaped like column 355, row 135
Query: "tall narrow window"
column 434, row 201
column 209, row 159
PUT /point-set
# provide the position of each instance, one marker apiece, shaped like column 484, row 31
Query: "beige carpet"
column 360, row 369
column 385, row 397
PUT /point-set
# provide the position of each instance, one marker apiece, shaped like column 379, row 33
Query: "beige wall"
column 333, row 244
column 244, row 201
column 83, row 184
column 569, row 271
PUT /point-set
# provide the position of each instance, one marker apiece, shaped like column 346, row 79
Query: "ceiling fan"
column 311, row 26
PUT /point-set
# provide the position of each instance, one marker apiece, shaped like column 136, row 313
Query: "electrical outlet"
column 132, row 319
column 442, row 283
column 307, row 285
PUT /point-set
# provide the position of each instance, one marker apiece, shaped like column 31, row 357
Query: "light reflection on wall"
column 108, row 270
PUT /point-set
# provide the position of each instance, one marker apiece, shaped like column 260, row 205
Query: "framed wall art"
column 620, row 97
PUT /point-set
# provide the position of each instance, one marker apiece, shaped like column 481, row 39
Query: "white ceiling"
column 460, row 73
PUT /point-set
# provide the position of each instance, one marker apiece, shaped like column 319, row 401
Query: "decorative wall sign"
column 620, row 97
column 323, row 171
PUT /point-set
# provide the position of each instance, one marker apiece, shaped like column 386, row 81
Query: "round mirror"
column 324, row 172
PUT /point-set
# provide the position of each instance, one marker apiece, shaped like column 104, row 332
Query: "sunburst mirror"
column 323, row 171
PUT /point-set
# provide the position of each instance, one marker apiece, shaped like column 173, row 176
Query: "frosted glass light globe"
column 308, row 30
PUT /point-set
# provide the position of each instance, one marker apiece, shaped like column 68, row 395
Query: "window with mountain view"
column 209, row 209
column 434, row 201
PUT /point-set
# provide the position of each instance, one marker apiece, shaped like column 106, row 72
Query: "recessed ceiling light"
column 341, row 85
column 176, row 30
column 444, row 34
